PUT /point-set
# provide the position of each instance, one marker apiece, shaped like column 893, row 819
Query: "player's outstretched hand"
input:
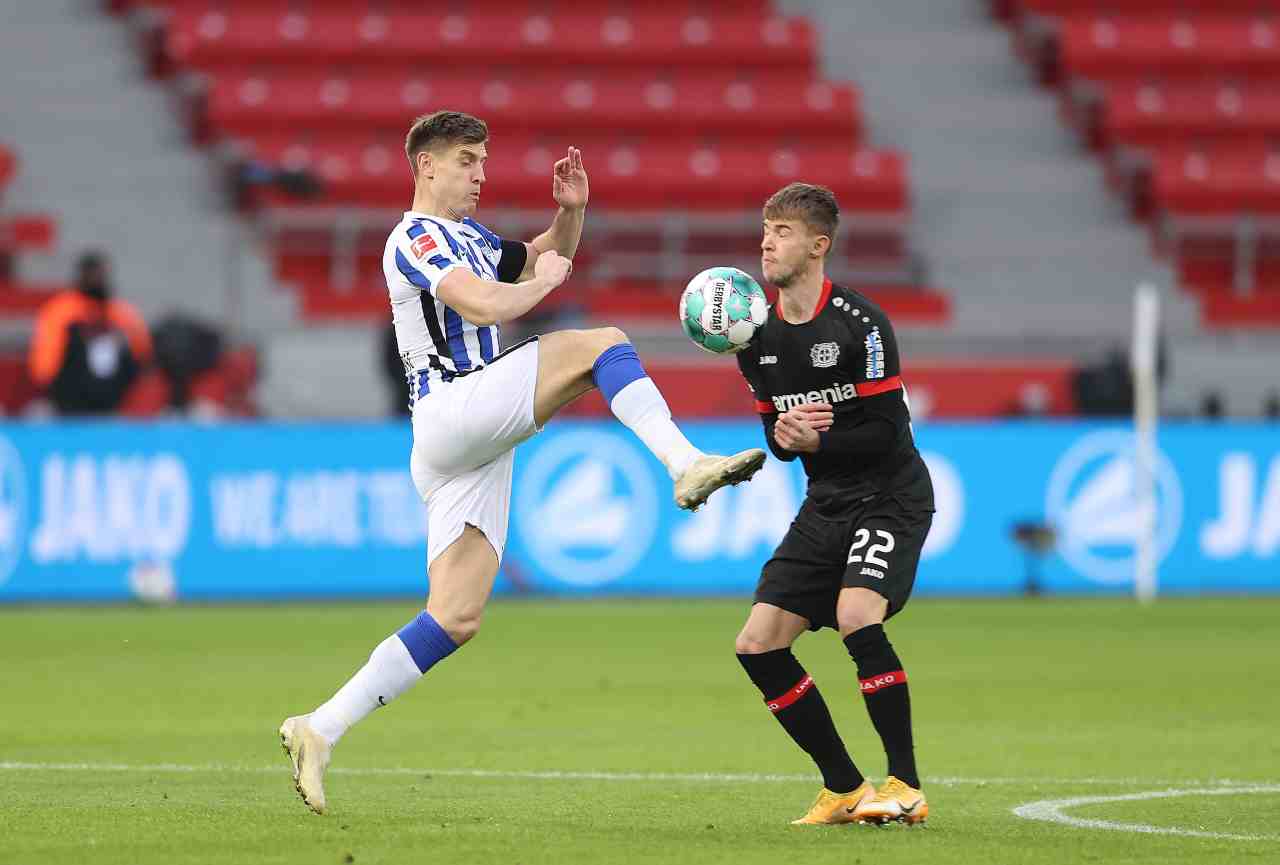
column 569, row 181
column 553, row 267
column 797, row 429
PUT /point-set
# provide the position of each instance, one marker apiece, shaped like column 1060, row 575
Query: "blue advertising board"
column 112, row 511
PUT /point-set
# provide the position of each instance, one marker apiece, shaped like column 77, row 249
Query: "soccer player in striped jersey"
column 452, row 284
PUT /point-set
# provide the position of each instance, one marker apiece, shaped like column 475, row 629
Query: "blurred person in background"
column 88, row 346
column 1271, row 405
column 1213, row 406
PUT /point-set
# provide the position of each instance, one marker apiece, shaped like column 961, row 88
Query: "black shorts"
column 872, row 541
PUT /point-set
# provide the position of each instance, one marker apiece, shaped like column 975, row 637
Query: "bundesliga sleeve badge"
column 424, row 244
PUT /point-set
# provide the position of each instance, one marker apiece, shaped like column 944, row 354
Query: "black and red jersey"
column 845, row 355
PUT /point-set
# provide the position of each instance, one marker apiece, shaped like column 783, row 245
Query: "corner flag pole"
column 1146, row 411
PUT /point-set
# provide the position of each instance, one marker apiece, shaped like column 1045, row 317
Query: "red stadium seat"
column 1207, row 263
column 27, row 232
column 229, row 385
column 16, row 387
column 643, row 175
column 1134, row 7
column 383, row 7
column 1105, row 47
column 248, row 38
column 8, row 166
column 246, row 104
column 1150, row 113
column 1182, row 96
column 1221, row 181
column 331, row 287
column 21, row 233
column 24, row 299
column 148, row 397
column 329, row 86
column 1260, row 311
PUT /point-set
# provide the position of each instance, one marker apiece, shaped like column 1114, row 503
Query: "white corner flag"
column 1146, row 413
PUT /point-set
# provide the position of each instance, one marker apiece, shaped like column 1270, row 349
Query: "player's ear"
column 425, row 164
column 821, row 245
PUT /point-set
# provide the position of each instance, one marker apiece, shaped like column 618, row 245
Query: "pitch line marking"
column 1054, row 811
column 1222, row 785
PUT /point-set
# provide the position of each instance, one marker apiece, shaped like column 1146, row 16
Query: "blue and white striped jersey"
column 420, row 252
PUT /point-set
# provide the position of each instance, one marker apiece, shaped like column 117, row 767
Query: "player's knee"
column 592, row 343
column 611, row 336
column 855, row 617
column 461, row 626
column 749, row 644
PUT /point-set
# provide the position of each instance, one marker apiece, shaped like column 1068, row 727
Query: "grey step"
column 1012, row 217
column 323, row 372
column 103, row 150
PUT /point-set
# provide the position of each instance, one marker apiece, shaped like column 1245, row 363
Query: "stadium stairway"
column 104, row 153
column 1176, row 101
column 1012, row 215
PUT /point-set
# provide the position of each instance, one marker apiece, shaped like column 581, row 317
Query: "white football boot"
column 309, row 753
column 709, row 473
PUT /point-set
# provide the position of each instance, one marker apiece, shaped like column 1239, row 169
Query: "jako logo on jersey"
column 875, row 354
column 768, row 358
column 834, row 394
column 825, row 354
column 423, row 245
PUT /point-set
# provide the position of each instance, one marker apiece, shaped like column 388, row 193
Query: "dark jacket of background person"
column 88, row 346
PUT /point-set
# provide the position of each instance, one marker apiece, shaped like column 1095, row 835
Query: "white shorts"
column 463, row 435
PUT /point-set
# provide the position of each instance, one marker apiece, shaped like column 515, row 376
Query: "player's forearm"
column 563, row 235
column 774, row 448
column 870, row 438
column 510, row 301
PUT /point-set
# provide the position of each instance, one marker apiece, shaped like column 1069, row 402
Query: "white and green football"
column 721, row 308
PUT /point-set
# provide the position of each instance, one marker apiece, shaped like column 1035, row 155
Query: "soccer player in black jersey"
column 826, row 377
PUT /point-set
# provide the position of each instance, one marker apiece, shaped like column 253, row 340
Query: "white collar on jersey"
column 466, row 227
column 414, row 214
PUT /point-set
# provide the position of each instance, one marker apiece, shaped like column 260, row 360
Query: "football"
column 721, row 308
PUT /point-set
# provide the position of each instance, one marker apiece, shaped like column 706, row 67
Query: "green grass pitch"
column 625, row 732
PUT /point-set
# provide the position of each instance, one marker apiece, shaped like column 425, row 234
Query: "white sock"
column 641, row 407
column 389, row 672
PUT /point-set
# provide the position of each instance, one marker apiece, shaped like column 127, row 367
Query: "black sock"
column 793, row 698
column 884, row 685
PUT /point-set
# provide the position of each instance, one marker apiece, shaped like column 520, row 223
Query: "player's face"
column 457, row 173
column 786, row 251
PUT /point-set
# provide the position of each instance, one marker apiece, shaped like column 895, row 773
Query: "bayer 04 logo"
column 722, row 308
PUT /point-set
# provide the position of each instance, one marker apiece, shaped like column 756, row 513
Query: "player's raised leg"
column 461, row 581
column 764, row 650
column 571, row 362
column 860, row 613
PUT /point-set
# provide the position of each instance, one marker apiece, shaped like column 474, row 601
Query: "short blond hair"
column 815, row 206
column 443, row 129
